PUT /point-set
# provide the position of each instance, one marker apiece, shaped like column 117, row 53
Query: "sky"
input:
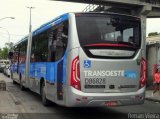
column 14, row 29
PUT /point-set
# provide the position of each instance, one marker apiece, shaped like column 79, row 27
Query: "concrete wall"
column 153, row 57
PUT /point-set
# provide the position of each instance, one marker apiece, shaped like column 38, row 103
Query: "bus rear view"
column 107, row 60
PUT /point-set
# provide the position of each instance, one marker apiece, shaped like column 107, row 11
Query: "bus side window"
column 39, row 52
column 58, row 39
column 62, row 40
column 52, row 45
column 23, row 52
column 16, row 57
column 33, row 48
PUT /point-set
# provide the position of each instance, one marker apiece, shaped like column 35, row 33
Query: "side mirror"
column 10, row 55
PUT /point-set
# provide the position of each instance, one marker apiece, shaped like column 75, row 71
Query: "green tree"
column 4, row 53
column 153, row 34
column 9, row 45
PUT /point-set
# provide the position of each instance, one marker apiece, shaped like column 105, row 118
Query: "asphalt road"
column 27, row 105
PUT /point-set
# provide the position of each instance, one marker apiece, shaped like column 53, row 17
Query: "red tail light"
column 75, row 74
column 143, row 73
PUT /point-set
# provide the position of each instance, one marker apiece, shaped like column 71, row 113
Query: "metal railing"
column 90, row 8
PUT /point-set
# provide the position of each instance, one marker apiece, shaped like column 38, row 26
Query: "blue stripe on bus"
column 22, row 68
column 46, row 70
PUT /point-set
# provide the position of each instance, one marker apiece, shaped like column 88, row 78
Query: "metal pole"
column 30, row 24
column 27, row 76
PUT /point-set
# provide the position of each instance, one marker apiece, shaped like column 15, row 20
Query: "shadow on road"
column 78, row 113
column 90, row 113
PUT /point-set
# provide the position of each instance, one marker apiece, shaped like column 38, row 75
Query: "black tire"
column 45, row 101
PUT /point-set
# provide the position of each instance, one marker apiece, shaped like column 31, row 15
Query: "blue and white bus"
column 84, row 59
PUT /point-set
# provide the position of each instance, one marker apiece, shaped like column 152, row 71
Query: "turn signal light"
column 75, row 73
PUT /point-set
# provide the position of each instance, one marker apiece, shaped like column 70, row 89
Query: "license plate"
column 111, row 103
column 95, row 82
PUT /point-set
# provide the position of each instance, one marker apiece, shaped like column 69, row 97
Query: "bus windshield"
column 116, row 29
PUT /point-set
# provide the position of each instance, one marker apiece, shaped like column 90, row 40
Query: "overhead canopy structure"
column 140, row 8
column 149, row 8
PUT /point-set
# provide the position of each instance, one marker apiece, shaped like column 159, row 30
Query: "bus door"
column 57, row 47
column 59, row 65
column 33, row 60
column 51, row 79
column 32, row 76
column 15, row 64
column 61, row 46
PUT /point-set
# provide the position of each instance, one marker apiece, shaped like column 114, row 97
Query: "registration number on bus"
column 95, row 82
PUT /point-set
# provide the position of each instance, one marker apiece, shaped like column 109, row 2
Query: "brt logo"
column 130, row 74
column 87, row 64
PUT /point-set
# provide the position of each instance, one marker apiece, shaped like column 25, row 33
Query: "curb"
column 151, row 99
